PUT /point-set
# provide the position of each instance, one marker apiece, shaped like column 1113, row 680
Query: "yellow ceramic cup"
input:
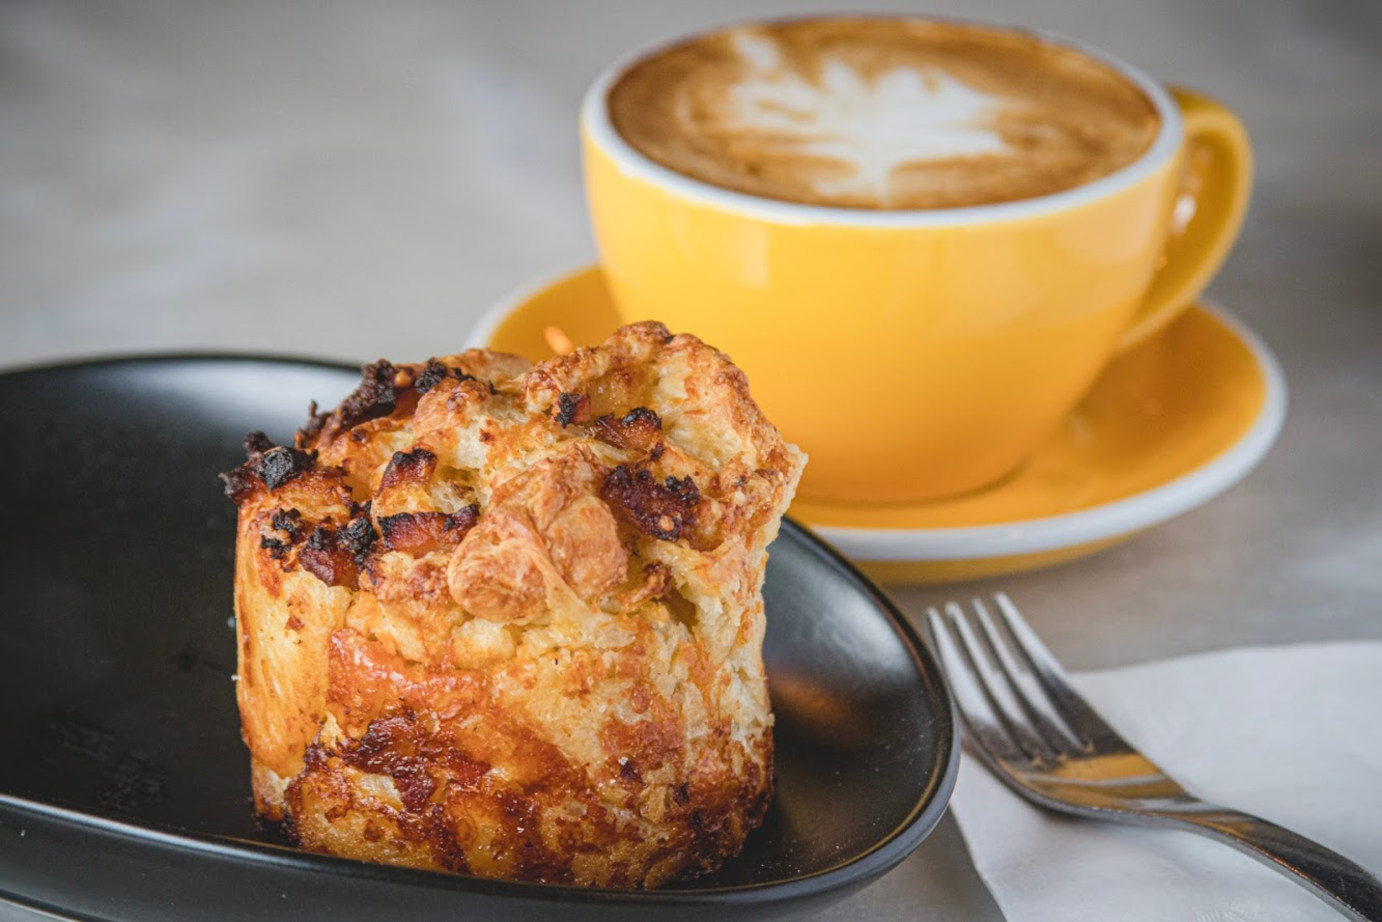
column 919, row 354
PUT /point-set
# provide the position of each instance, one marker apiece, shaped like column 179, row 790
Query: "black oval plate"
column 124, row 787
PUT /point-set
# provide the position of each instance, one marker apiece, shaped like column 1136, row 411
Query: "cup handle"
column 1209, row 210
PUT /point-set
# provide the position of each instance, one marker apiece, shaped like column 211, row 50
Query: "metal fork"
column 1035, row 732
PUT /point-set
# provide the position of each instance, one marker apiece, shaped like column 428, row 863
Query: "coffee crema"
column 882, row 113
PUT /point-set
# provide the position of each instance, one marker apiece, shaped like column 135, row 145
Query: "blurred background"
column 355, row 179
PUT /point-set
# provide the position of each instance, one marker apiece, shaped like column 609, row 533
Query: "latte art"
column 869, row 126
column 881, row 113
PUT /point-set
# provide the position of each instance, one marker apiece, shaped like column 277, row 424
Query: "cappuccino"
column 882, row 113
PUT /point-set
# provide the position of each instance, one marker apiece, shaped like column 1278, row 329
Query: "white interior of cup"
column 596, row 122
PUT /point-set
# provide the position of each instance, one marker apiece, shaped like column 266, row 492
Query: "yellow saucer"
column 1168, row 426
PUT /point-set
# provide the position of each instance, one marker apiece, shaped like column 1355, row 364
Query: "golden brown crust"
column 507, row 620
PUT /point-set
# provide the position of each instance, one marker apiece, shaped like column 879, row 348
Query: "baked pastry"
column 507, row 620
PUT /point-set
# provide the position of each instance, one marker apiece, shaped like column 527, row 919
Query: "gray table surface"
column 357, row 179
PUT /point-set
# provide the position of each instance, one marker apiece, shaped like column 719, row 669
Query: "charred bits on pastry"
column 375, row 397
column 334, row 555
column 414, row 466
column 280, row 465
column 285, row 522
column 267, row 463
column 665, row 510
column 359, row 537
column 329, row 559
column 435, row 372
column 419, row 533
column 277, row 547
column 572, row 408
column 288, row 521
column 637, row 430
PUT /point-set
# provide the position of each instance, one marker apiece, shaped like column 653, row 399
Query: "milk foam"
column 881, row 113
column 870, row 125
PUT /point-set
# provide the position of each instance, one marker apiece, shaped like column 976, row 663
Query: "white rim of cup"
column 596, row 122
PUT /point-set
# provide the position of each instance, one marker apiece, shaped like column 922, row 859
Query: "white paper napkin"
column 1292, row 734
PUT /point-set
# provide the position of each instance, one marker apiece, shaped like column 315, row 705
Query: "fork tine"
column 1107, row 778
column 1027, row 690
column 1083, row 720
column 1002, row 695
column 992, row 739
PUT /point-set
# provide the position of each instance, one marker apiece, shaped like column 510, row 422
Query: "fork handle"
column 1352, row 889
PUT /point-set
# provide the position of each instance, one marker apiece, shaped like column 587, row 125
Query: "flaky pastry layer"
column 507, row 620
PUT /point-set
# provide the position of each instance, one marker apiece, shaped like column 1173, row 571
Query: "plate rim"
column 881, row 855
